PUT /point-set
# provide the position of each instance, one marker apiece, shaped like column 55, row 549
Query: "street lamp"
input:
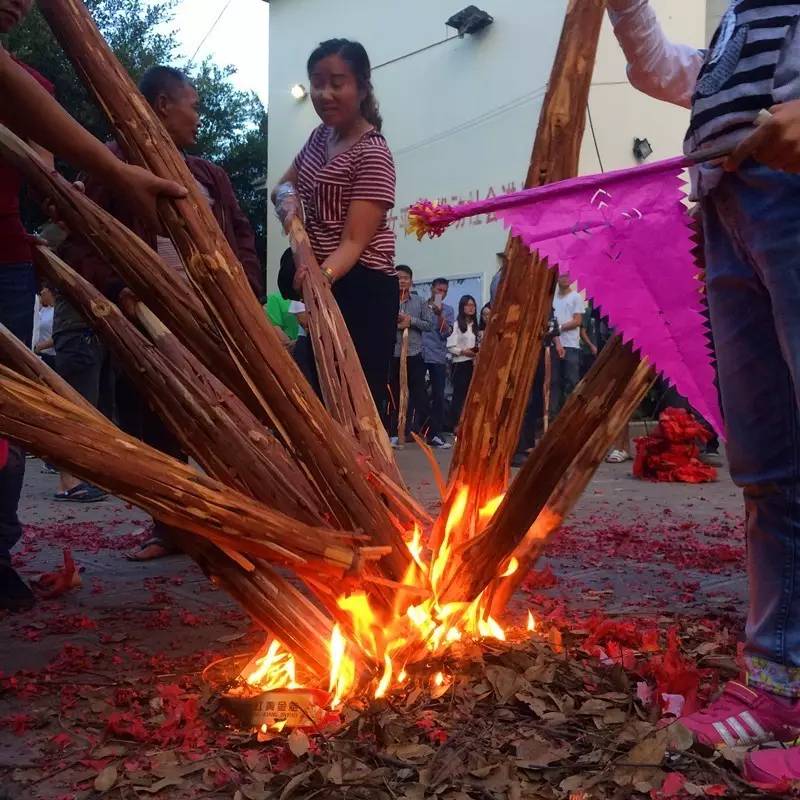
column 642, row 149
column 470, row 20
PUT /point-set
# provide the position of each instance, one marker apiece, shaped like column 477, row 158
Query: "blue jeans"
column 438, row 377
column 17, row 298
column 564, row 377
column 752, row 242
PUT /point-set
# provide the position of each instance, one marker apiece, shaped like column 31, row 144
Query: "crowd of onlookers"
column 442, row 345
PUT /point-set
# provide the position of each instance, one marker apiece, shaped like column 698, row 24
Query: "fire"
column 275, row 727
column 487, row 512
column 443, row 555
column 513, row 566
column 531, row 622
column 274, row 670
column 389, row 640
column 343, row 668
column 386, row 679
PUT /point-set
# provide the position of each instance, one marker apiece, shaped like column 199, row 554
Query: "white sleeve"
column 36, row 324
column 656, row 66
column 454, row 342
column 296, row 307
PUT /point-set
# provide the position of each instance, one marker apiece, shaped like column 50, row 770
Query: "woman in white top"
column 463, row 347
column 43, row 330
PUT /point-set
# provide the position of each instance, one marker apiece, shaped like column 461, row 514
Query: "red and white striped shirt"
column 364, row 172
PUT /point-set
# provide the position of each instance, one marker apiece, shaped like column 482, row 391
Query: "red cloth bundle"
column 671, row 453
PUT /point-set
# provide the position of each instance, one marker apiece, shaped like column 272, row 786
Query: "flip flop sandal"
column 82, row 493
column 154, row 542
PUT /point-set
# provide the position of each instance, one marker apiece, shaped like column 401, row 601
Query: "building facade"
column 460, row 114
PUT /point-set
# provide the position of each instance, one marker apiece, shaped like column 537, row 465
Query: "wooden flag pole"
column 588, row 408
column 512, row 344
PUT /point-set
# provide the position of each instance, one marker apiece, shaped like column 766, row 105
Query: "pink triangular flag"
column 627, row 241
column 625, row 238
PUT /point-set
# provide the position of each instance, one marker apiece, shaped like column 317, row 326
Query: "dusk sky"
column 241, row 37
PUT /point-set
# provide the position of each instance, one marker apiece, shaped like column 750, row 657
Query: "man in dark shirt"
column 434, row 353
column 175, row 102
column 415, row 317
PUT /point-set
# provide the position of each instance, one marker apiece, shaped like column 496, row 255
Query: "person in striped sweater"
column 750, row 206
column 345, row 177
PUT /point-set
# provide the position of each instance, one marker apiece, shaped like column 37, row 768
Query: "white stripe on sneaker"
column 720, row 728
column 738, row 728
column 760, row 734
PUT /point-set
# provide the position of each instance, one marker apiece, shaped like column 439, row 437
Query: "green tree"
column 233, row 132
column 234, row 135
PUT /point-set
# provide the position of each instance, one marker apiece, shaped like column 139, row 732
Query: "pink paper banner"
column 625, row 238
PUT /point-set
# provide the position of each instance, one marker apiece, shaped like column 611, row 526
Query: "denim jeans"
column 534, row 410
column 565, row 376
column 417, row 395
column 438, row 377
column 752, row 241
column 17, row 298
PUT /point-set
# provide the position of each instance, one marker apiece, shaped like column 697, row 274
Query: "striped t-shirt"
column 363, row 172
column 750, row 57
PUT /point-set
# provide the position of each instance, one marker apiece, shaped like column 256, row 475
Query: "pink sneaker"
column 741, row 716
column 774, row 769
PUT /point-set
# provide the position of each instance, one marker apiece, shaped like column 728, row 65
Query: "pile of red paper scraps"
column 671, row 453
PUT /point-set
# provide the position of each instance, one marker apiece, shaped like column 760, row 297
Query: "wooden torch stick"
column 512, row 345
column 586, row 409
column 402, row 407
column 572, row 485
column 344, row 386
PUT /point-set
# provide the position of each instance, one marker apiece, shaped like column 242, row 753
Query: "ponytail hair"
column 357, row 59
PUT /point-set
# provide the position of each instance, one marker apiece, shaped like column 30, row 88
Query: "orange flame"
column 487, row 512
column 513, row 566
column 274, row 669
column 386, row 679
column 531, row 622
column 410, row 628
column 343, row 668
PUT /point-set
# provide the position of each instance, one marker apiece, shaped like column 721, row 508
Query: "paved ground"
column 629, row 548
column 626, row 547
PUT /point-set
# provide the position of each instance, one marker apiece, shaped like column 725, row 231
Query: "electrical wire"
column 415, row 52
column 594, row 137
column 210, row 30
column 481, row 119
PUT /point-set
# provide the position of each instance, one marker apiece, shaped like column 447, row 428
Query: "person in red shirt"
column 29, row 110
column 345, row 177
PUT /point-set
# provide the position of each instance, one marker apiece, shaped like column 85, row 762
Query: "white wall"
column 716, row 8
column 461, row 116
